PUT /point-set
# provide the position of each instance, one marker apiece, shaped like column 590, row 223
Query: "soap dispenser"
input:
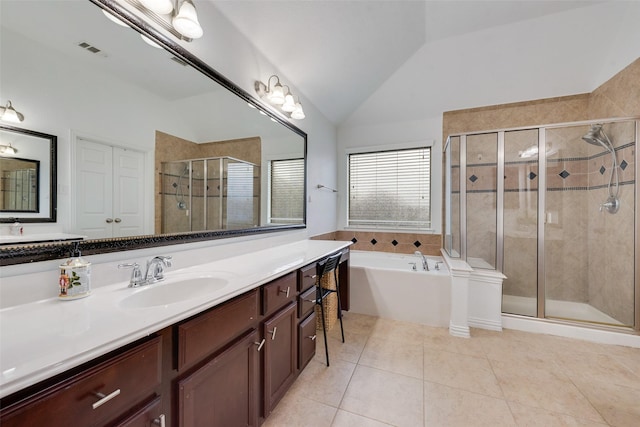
column 75, row 277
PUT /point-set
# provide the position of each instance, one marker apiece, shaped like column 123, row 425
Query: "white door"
column 109, row 190
column 128, row 193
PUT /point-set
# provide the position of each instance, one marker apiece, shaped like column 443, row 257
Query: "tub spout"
column 425, row 265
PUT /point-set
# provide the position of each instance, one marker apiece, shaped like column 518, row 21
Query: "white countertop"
column 44, row 338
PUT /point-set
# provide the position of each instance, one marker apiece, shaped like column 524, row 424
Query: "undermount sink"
column 173, row 291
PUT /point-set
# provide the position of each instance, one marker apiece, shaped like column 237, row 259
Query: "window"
column 287, row 191
column 390, row 189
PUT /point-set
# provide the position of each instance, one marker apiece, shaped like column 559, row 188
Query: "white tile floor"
column 391, row 373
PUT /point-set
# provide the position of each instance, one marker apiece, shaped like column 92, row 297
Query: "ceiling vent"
column 92, row 49
column 179, row 61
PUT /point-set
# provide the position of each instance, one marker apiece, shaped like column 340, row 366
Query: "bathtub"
column 384, row 285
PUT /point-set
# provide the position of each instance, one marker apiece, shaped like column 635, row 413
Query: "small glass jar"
column 75, row 279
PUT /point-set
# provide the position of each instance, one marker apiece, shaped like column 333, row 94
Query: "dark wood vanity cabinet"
column 227, row 366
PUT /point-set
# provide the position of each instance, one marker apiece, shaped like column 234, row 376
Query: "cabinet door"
column 224, row 392
column 306, row 340
column 279, row 355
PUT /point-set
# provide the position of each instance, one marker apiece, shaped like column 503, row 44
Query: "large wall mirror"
column 154, row 146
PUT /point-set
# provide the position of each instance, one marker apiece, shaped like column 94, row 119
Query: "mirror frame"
column 53, row 175
column 27, row 253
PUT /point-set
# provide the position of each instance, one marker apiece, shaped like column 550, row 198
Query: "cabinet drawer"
column 209, row 332
column 149, row 415
column 278, row 293
column 119, row 383
column 306, row 277
column 306, row 302
column 306, row 340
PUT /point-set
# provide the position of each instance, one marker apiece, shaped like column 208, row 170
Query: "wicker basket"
column 330, row 304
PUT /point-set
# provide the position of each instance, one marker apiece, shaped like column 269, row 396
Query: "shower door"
column 521, row 177
column 589, row 251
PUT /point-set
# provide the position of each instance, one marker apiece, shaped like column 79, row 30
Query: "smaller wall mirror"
column 27, row 175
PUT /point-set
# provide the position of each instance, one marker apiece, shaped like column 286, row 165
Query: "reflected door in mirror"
column 109, row 191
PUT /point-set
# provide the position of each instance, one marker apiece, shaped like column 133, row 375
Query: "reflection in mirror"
column 27, row 176
column 19, row 184
column 103, row 87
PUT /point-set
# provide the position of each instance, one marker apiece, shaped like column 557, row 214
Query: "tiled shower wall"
column 576, row 180
column 381, row 241
column 171, row 148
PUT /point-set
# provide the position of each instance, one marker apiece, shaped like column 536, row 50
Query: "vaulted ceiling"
column 339, row 53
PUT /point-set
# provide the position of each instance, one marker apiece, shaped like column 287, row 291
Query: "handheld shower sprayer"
column 597, row 136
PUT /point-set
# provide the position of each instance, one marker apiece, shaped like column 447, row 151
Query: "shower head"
column 597, row 137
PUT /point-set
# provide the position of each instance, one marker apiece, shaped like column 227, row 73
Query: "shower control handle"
column 611, row 205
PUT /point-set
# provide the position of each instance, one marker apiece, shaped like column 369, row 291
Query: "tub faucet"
column 425, row 265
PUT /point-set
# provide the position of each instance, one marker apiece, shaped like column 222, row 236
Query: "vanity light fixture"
column 178, row 17
column 7, row 149
column 9, row 114
column 276, row 96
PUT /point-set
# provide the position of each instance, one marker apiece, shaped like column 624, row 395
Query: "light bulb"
column 161, row 7
column 289, row 104
column 298, row 114
column 186, row 21
column 277, row 94
column 9, row 114
column 150, row 42
column 112, row 18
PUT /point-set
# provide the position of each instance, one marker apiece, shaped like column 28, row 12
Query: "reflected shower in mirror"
column 121, row 108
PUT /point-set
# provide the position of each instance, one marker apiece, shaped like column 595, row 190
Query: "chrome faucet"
column 155, row 268
column 154, row 273
column 425, row 265
column 136, row 275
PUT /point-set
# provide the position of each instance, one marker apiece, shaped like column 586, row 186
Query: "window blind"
column 287, row 191
column 390, row 189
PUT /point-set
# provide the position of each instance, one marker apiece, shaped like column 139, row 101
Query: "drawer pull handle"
column 312, row 277
column 286, row 292
column 159, row 421
column 104, row 398
column 260, row 344
column 312, row 337
column 273, row 333
column 315, row 301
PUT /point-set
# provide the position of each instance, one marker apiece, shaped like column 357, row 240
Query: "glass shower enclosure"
column 218, row 193
column 554, row 208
